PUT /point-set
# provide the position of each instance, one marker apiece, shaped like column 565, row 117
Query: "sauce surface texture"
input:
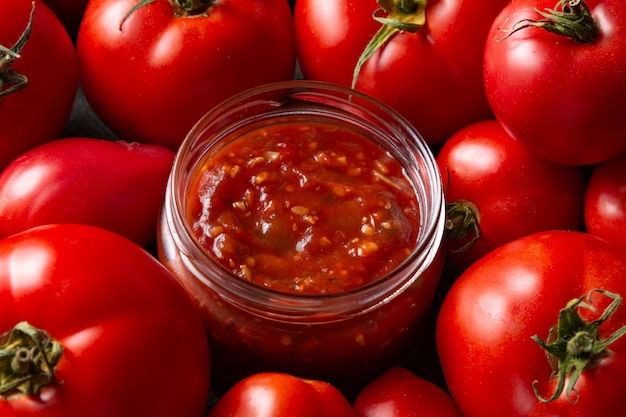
column 307, row 208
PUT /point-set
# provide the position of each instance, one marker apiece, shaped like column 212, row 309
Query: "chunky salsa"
column 309, row 208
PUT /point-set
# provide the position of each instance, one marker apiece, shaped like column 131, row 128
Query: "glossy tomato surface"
column 133, row 343
column 496, row 185
column 560, row 97
column 400, row 393
column 489, row 317
column 605, row 200
column 36, row 113
column 274, row 394
column 433, row 77
column 152, row 75
column 331, row 35
column 110, row 184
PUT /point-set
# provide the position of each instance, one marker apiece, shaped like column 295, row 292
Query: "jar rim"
column 321, row 94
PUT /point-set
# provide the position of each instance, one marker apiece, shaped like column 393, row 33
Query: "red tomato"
column 114, row 185
column 151, row 76
column 497, row 186
column 38, row 112
column 497, row 312
column 331, row 35
column 70, row 13
column 273, row 394
column 132, row 342
column 560, row 97
column 400, row 393
column 433, row 77
column 605, row 201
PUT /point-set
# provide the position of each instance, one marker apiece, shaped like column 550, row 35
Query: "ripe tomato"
column 433, row 76
column 497, row 191
column 114, row 185
column 132, row 342
column 47, row 70
column 400, row 393
column 562, row 98
column 605, row 201
column 274, row 394
column 331, row 35
column 152, row 75
column 497, row 312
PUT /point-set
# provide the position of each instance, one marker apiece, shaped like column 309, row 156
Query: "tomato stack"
column 521, row 102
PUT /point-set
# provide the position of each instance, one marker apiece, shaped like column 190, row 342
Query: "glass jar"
column 346, row 337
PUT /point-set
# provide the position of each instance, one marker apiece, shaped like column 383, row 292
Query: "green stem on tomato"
column 401, row 15
column 137, row 6
column 192, row 5
column 28, row 358
column 11, row 81
column 574, row 344
column 462, row 218
column 570, row 18
column 181, row 8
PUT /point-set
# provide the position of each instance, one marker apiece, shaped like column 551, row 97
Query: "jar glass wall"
column 345, row 337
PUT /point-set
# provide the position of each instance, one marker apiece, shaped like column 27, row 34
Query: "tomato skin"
column 487, row 319
column 546, row 88
column 330, row 55
column 114, row 185
column 128, row 330
column 432, row 77
column 605, row 200
column 515, row 192
column 153, row 79
column 274, row 394
column 38, row 113
column 400, row 393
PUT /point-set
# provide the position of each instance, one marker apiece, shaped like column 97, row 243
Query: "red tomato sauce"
column 307, row 208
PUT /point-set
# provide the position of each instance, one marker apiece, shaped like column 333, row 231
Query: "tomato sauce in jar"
column 308, row 208
column 306, row 221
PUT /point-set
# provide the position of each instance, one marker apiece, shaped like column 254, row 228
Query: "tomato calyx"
column 401, row 15
column 10, row 80
column 182, row 8
column 462, row 218
column 571, row 18
column 574, row 344
column 28, row 357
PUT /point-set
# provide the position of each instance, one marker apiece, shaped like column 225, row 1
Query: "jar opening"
column 313, row 102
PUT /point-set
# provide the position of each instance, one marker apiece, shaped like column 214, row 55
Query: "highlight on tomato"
column 497, row 190
column 38, row 77
column 554, row 77
column 114, row 185
column 605, row 200
column 277, row 394
column 535, row 328
column 93, row 325
column 151, row 68
column 400, row 393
